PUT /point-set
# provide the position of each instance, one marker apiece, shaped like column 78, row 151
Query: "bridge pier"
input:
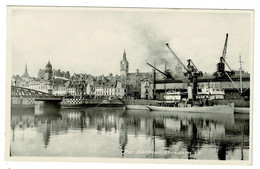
column 22, row 102
column 48, row 103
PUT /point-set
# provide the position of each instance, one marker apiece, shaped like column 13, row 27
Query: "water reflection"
column 112, row 132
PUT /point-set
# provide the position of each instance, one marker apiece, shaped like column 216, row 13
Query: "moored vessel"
column 245, row 110
column 111, row 103
column 136, row 107
column 204, row 109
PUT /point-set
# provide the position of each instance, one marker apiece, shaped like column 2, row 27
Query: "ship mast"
column 165, row 77
column 240, row 70
column 154, row 82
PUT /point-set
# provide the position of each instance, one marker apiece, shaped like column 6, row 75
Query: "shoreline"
column 237, row 102
column 70, row 103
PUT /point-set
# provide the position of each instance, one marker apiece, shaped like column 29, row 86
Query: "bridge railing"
column 29, row 93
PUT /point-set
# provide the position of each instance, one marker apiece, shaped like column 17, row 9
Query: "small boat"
column 244, row 110
column 204, row 109
column 136, row 107
column 111, row 103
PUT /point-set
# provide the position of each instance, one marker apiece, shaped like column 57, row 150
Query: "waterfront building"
column 83, row 85
column 109, row 90
column 72, row 90
column 146, row 89
column 99, row 90
column 40, row 85
column 134, row 82
column 120, row 90
column 105, row 90
column 77, row 89
column 90, row 90
column 61, row 90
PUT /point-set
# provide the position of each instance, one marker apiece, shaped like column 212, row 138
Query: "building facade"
column 147, row 89
column 110, row 90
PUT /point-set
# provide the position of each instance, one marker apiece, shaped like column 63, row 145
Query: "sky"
column 92, row 40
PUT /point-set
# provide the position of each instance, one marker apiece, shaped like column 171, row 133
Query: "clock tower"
column 124, row 66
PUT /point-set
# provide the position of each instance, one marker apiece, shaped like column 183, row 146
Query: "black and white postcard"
column 129, row 85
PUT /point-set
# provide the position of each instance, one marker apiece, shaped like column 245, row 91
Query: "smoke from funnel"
column 157, row 52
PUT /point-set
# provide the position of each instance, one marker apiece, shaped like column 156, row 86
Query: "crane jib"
column 157, row 69
column 225, row 47
column 167, row 44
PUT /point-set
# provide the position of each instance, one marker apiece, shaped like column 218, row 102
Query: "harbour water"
column 117, row 133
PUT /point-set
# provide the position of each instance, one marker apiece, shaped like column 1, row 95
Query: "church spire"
column 25, row 74
column 124, row 55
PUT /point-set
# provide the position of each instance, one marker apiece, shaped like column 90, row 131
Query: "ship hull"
column 111, row 103
column 136, row 107
column 206, row 109
column 244, row 110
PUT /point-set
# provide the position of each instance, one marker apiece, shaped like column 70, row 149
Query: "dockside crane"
column 168, row 74
column 192, row 73
column 221, row 72
column 190, row 76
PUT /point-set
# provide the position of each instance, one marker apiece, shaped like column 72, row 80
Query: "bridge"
column 26, row 92
column 25, row 97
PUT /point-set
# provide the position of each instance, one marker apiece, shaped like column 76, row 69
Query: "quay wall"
column 237, row 102
column 76, row 101
column 98, row 101
column 72, row 101
column 22, row 102
column 139, row 102
column 30, row 102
